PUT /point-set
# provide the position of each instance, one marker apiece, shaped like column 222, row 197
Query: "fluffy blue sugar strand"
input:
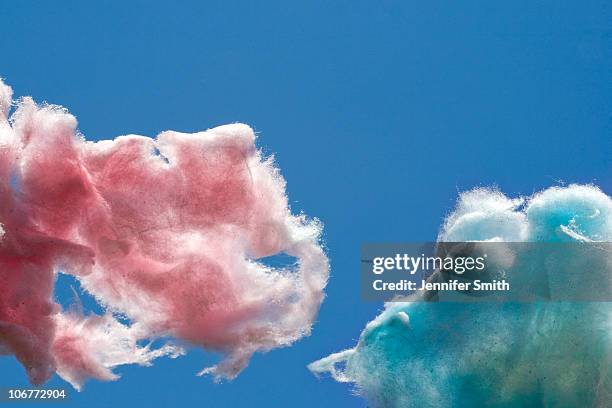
column 417, row 354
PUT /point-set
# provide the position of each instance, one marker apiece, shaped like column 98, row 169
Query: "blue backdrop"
column 378, row 113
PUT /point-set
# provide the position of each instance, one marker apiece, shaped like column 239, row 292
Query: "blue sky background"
column 378, row 113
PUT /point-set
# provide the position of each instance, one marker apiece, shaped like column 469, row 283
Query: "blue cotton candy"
column 418, row 354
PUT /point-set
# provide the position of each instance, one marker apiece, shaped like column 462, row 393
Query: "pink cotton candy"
column 165, row 232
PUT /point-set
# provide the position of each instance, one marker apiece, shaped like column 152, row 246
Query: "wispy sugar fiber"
column 548, row 354
column 168, row 232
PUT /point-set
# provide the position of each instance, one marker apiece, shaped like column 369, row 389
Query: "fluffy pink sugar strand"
column 166, row 232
